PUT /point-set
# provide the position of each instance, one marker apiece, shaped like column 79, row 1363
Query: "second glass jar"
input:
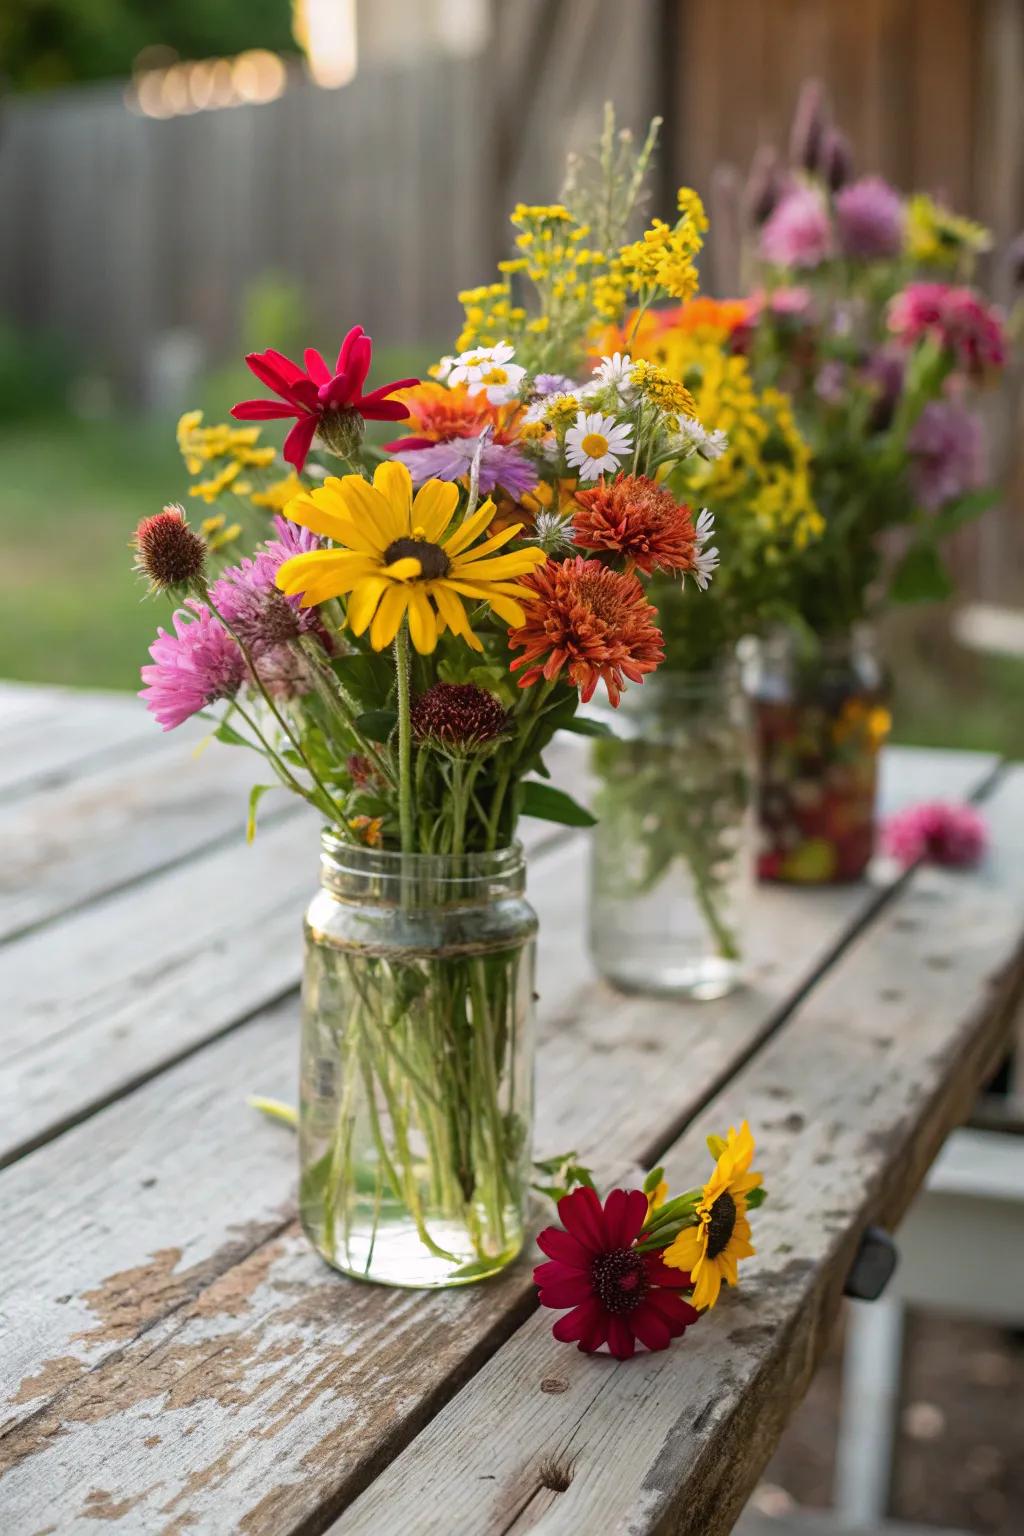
column 669, row 854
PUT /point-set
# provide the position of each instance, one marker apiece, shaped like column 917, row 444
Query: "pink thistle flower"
column 957, row 319
column 870, row 219
column 939, row 831
column 799, row 232
column 264, row 619
column 195, row 666
column 947, row 449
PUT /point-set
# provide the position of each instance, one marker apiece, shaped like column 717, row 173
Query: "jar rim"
column 388, row 863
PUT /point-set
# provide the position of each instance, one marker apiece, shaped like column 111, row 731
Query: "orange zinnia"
column 590, row 620
column 635, row 517
column 437, row 414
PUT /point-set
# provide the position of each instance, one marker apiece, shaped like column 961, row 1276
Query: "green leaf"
column 652, row 1180
column 755, row 1198
column 255, row 796
column 549, row 804
column 953, row 516
column 227, row 733
column 920, row 577
column 367, row 679
column 582, row 725
column 377, row 724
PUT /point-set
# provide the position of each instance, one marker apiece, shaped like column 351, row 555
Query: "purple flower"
column 799, row 233
column 947, row 453
column 553, row 384
column 267, row 621
column 500, row 464
column 810, row 121
column 766, row 184
column 196, row 666
column 836, row 159
column 870, row 219
column 830, row 385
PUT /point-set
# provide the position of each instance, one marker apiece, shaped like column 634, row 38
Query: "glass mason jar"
column 417, row 1063
column 669, row 854
column 820, row 718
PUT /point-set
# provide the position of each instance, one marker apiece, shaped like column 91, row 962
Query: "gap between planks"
column 594, row 1066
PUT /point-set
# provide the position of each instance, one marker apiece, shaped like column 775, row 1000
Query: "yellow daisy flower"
column 397, row 556
column 711, row 1249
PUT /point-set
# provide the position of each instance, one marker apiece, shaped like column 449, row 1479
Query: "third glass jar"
column 820, row 716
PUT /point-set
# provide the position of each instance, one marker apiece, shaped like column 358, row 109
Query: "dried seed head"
column 169, row 552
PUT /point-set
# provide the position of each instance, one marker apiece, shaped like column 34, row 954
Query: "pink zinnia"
column 957, row 319
column 943, row 833
column 616, row 1294
column 196, row 666
column 799, row 233
column 870, row 219
column 317, row 397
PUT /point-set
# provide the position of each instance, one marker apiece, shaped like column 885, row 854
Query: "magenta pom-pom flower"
column 799, row 232
column 956, row 319
column 315, row 394
column 939, row 831
column 614, row 1294
column 195, row 666
column 870, row 219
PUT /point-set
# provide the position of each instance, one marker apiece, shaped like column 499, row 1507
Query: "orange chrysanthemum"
column 437, row 414
column 590, row 620
column 721, row 316
column 635, row 517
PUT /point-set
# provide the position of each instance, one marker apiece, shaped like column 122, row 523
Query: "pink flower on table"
column 611, row 1294
column 939, row 831
column 322, row 401
column 870, row 219
column 199, row 664
column 799, row 232
column 947, row 453
column 957, row 319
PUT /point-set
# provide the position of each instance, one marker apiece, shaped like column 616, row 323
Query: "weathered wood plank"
column 240, row 1391
column 851, row 1101
column 72, row 842
column 48, row 735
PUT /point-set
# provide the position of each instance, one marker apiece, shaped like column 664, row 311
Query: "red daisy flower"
column 591, row 620
column 635, row 517
column 616, row 1294
column 321, row 400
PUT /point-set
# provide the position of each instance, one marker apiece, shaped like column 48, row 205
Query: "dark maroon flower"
column 458, row 716
column 168, row 552
column 329, row 403
column 616, row 1294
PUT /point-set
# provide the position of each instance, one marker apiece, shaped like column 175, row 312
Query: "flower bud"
column 836, row 159
column 458, row 717
column 810, row 121
column 766, row 185
column 341, row 431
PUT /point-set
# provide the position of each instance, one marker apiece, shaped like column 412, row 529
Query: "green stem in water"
column 404, row 739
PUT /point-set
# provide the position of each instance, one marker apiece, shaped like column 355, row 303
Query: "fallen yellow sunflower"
column 711, row 1249
column 397, row 555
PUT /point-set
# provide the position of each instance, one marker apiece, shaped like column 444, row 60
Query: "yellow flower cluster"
column 666, row 392
column 218, row 532
column 766, row 466
column 276, row 496
column 936, row 237
column 200, row 445
column 662, row 264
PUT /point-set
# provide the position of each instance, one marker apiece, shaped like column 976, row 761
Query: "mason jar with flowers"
column 400, row 645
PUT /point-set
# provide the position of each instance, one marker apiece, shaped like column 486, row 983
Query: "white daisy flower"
column 692, row 438
column 597, row 444
column 706, row 560
column 469, row 366
column 537, row 411
column 614, row 371
column 499, row 382
column 443, row 368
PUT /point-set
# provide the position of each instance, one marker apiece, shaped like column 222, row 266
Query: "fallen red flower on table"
column 616, row 1294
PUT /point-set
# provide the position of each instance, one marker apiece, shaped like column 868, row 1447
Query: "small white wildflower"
column 469, row 367
column 597, row 444
column 614, row 372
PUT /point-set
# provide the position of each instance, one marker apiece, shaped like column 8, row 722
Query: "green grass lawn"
column 72, row 492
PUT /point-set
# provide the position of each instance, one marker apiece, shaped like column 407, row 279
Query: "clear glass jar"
column 417, row 1063
column 820, row 718
column 669, row 854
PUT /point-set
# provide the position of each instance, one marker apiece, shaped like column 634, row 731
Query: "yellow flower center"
column 594, row 445
column 496, row 375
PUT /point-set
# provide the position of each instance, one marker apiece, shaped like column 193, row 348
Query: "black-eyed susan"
column 711, row 1250
column 396, row 555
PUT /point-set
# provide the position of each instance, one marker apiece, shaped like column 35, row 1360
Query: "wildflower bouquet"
column 862, row 320
column 400, row 645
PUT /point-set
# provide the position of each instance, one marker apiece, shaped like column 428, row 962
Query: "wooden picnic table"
column 176, row 1359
